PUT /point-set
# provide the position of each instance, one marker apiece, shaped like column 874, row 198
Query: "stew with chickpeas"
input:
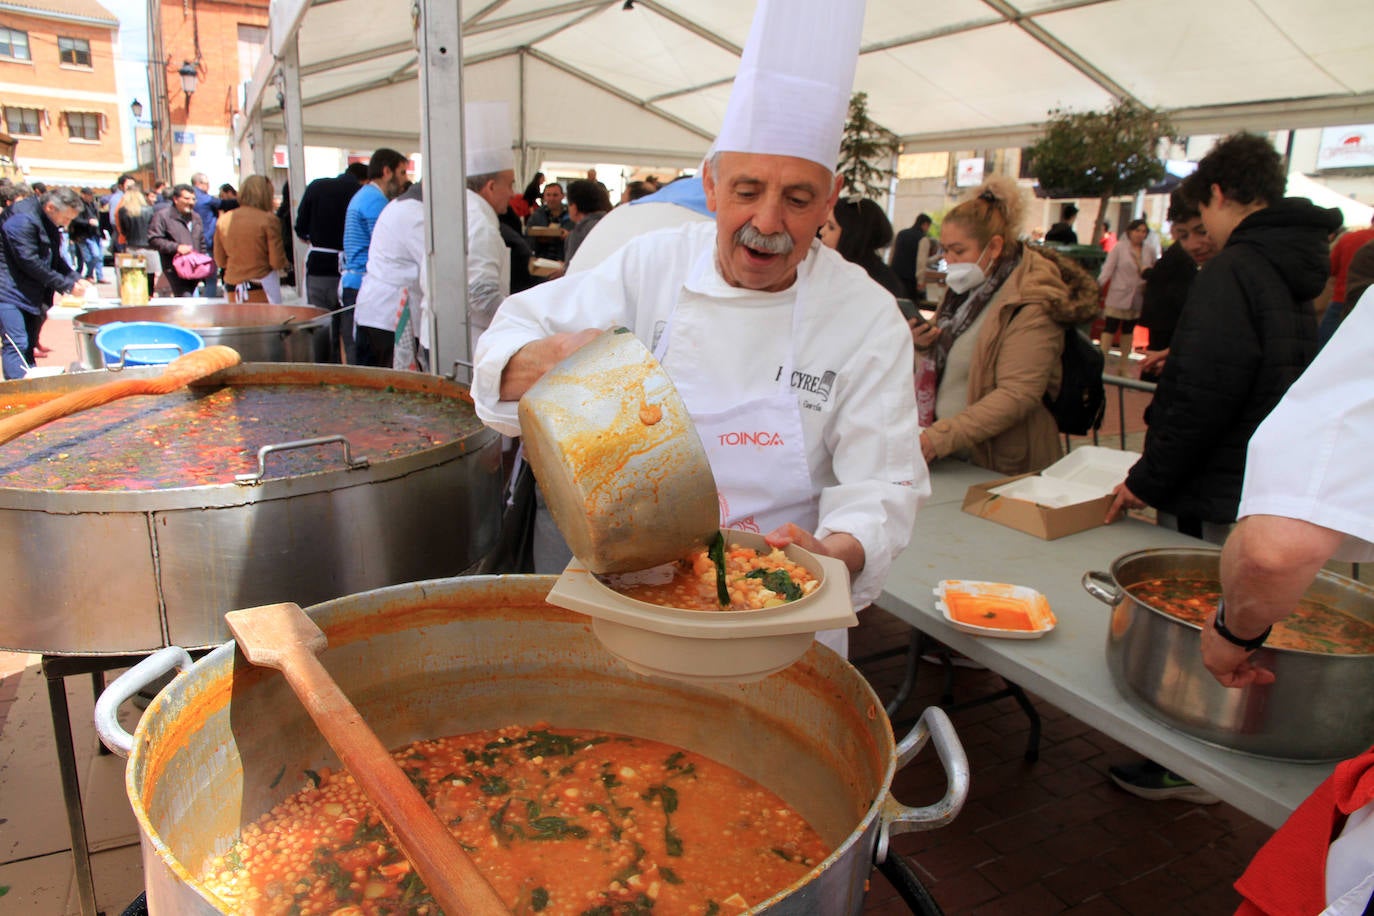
column 562, row 823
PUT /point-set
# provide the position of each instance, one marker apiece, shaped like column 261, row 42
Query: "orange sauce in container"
column 992, row 611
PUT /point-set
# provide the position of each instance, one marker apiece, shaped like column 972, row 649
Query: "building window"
column 73, row 51
column 23, row 122
column 83, row 125
column 14, row 44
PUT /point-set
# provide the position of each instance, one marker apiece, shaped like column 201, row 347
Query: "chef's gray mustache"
column 750, row 237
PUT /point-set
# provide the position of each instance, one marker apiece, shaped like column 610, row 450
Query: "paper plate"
column 994, row 609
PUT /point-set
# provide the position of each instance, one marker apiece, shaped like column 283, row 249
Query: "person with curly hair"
column 858, row 229
column 1246, row 333
column 998, row 336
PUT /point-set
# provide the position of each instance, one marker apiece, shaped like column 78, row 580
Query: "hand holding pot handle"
column 1229, row 663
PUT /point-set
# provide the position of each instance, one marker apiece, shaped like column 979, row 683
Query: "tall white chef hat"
column 791, row 95
column 487, row 138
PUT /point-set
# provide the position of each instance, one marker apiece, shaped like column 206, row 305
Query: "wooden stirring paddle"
column 180, row 372
column 281, row 636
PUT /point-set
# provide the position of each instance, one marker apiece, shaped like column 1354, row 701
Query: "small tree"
column 1100, row 154
column 866, row 151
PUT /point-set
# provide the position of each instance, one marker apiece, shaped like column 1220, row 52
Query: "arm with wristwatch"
column 1267, row 564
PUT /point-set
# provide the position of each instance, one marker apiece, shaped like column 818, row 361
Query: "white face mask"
column 963, row 277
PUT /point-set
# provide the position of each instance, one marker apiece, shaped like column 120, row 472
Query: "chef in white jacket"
column 793, row 363
column 1308, row 497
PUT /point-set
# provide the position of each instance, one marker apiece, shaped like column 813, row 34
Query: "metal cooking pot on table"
column 118, row 571
column 260, row 333
column 1321, row 707
column 452, row 656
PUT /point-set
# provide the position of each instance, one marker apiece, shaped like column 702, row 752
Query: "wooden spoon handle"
column 69, row 403
column 283, row 637
column 179, row 373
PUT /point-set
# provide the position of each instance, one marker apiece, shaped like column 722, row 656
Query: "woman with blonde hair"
column 132, row 217
column 248, row 244
column 997, row 337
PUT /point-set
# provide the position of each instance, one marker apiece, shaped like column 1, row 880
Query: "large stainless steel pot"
column 1320, row 707
column 447, row 657
column 260, row 333
column 123, row 571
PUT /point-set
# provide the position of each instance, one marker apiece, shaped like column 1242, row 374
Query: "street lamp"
column 189, row 78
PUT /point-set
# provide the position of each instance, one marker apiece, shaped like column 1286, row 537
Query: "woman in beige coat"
column 998, row 336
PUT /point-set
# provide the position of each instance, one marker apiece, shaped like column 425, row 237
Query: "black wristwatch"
column 1219, row 624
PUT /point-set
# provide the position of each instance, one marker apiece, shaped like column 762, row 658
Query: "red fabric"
column 520, row 206
column 1341, row 253
column 1108, row 241
column 1287, row 877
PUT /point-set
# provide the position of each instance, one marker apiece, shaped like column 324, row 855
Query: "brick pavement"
column 1054, row 836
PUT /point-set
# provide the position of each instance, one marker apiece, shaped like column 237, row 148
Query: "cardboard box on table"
column 1069, row 496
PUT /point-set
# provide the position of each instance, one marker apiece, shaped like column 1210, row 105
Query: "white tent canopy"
column 646, row 81
column 593, row 80
column 1357, row 215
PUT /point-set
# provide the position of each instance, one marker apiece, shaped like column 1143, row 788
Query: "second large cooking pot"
column 260, row 333
column 1320, row 707
column 226, row 741
column 124, row 569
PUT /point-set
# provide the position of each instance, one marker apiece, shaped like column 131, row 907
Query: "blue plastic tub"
column 145, row 343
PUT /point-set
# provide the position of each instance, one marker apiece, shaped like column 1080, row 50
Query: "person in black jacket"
column 1167, row 283
column 904, row 251
column 1247, row 331
column 33, row 271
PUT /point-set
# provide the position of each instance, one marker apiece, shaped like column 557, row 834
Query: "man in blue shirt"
column 387, row 176
column 207, row 208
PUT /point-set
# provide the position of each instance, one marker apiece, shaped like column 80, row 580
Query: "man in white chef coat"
column 1308, row 498
column 760, row 327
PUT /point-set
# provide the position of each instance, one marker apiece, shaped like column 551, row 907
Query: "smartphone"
column 910, row 310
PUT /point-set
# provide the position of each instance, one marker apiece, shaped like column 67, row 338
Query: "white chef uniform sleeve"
column 1309, row 459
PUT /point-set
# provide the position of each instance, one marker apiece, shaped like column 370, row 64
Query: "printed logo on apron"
column 756, row 448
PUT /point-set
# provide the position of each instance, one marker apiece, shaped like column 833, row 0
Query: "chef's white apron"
column 756, row 449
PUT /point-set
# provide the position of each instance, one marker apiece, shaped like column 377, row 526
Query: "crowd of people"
column 54, row 242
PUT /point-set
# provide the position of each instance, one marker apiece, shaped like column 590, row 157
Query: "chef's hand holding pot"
column 837, row 544
column 531, row 361
column 1266, row 565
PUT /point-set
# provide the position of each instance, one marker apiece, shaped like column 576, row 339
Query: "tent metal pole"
column 441, row 144
column 295, row 144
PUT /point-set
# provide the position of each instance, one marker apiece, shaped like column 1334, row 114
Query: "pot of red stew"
column 576, row 786
column 1320, row 707
column 134, row 525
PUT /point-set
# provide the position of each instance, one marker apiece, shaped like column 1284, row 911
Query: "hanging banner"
column 1346, row 147
column 970, row 173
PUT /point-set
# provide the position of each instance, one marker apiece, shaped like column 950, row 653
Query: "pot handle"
column 934, row 725
column 1102, row 587
column 112, row 734
column 349, row 461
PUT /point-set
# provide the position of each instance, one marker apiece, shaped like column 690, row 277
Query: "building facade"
column 221, row 41
column 58, row 93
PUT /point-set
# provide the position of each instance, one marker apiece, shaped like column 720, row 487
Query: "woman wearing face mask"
column 998, row 335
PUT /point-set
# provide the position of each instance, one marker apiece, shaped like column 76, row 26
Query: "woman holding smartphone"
column 998, row 335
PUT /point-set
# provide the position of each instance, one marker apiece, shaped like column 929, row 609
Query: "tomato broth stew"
column 562, row 823
column 197, row 438
column 1313, row 627
column 755, row 580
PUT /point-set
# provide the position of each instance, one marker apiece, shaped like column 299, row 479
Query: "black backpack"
column 1082, row 399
